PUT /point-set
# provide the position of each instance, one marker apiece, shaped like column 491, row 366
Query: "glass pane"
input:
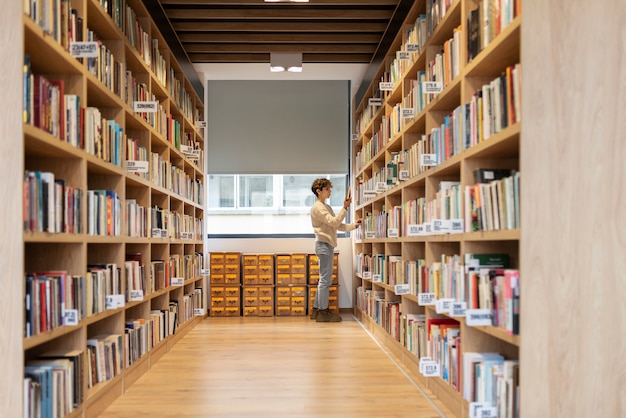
column 297, row 191
column 256, row 192
column 221, row 191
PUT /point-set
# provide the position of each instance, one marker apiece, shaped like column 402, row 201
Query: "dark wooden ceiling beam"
column 304, row 48
column 265, row 57
column 287, row 14
column 279, row 26
column 314, row 3
column 282, row 37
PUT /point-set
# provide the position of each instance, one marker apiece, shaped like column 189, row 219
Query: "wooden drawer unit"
column 257, row 297
column 225, row 268
column 266, row 310
column 250, row 260
column 250, row 311
column 291, row 300
column 314, row 269
column 333, row 298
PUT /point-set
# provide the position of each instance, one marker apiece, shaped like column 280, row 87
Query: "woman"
column 325, row 225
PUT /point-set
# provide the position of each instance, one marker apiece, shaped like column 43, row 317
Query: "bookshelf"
column 419, row 147
column 113, row 190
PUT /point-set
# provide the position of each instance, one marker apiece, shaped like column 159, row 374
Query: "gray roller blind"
column 278, row 127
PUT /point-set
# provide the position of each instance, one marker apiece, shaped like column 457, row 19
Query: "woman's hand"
column 346, row 202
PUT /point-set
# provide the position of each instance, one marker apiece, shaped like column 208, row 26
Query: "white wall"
column 293, row 245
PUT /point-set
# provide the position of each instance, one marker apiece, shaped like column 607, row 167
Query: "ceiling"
column 219, row 35
column 247, row 31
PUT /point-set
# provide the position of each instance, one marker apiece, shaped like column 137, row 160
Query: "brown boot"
column 325, row 315
column 314, row 312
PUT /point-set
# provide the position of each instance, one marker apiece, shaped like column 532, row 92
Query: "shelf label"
column 198, row 311
column 408, row 112
column 428, row 160
column 444, row 305
column 478, row 317
column 425, row 299
column 482, row 410
column 163, row 233
column 428, row 228
column 137, row 166
column 403, row 175
column 441, row 226
column 204, row 272
column 190, row 152
column 201, row 124
column 392, row 233
column 414, row 230
column 70, row 317
column 177, row 281
column 367, row 274
column 457, row 226
column 370, row 234
column 114, row 301
column 156, row 233
column 355, row 137
column 412, row 47
column 385, row 86
column 458, row 309
column 369, row 193
column 144, row 106
column 381, row 187
column 136, row 294
column 428, row 367
column 378, row 278
column 375, row 101
column 84, row 49
column 403, row 55
column 432, row 87
column 422, row 361
column 402, row 289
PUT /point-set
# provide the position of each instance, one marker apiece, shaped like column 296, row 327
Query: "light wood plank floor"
column 275, row 367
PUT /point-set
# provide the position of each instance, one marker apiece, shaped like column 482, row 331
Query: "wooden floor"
column 275, row 367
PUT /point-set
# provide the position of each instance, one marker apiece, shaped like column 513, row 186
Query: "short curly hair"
column 319, row 184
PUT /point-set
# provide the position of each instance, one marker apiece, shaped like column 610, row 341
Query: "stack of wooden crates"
column 267, row 284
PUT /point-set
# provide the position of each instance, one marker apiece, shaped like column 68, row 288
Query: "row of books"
column 105, row 356
column 486, row 380
column 53, row 384
column 51, row 205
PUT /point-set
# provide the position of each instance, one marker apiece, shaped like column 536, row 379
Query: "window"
column 265, row 204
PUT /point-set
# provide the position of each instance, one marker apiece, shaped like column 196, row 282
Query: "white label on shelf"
column 428, row 228
column 144, row 106
column 378, row 278
column 201, row 124
column 402, row 289
column 425, row 299
column 156, row 233
column 370, row 234
column 198, row 311
column 456, row 226
column 403, row 175
column 385, row 86
column 114, row 301
column 477, row 409
column 458, row 309
column 441, row 226
column 392, row 233
column 408, row 112
column 414, row 230
column 381, row 187
column 374, row 101
column 412, row 47
column 428, row 160
column 84, row 49
column 403, row 55
column 430, row 369
column 70, row 317
column 432, row 87
column 422, row 361
column 136, row 294
column 204, row 272
column 137, row 166
column 444, row 305
column 478, row 317
column 163, row 233
column 355, row 137
column 369, row 193
column 177, row 281
column 367, row 274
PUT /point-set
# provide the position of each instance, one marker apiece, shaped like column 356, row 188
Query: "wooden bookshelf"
column 150, row 167
column 383, row 138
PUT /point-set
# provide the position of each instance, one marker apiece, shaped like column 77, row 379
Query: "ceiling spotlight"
column 291, row 62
